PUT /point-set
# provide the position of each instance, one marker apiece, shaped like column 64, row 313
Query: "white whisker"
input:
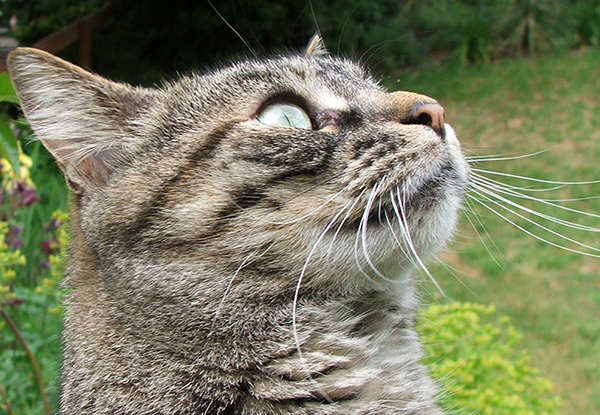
column 399, row 209
column 244, row 41
column 244, row 263
column 356, row 251
column 481, row 237
column 549, row 218
column 493, row 189
column 502, row 157
column 396, row 239
column 528, row 188
column 453, row 271
column 295, row 220
column 297, row 294
column 532, row 179
column 535, row 224
column 339, row 228
column 363, row 232
column 576, row 199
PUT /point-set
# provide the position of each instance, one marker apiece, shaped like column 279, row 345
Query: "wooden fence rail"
column 80, row 30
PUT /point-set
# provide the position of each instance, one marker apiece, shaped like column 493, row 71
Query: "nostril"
column 430, row 114
column 424, row 118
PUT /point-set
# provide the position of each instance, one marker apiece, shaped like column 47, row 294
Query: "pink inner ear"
column 94, row 169
column 80, row 166
column 88, row 171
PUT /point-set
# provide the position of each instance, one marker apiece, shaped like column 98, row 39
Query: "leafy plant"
column 528, row 26
column 475, row 355
column 30, row 327
column 586, row 21
column 8, row 141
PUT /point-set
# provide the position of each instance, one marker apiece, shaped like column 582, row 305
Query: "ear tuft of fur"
column 316, row 46
column 83, row 119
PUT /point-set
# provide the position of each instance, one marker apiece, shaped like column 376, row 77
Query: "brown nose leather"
column 420, row 109
column 431, row 114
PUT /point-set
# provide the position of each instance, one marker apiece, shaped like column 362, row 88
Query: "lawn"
column 518, row 108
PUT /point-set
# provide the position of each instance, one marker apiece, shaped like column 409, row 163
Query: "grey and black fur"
column 220, row 265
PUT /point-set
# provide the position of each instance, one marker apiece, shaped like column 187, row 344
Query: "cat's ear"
column 316, row 46
column 84, row 120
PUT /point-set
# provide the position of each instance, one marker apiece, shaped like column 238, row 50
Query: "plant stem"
column 32, row 359
column 5, row 399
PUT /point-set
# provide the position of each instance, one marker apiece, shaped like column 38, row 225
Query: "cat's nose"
column 430, row 114
column 419, row 109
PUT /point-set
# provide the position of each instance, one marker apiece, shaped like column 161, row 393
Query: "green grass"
column 552, row 295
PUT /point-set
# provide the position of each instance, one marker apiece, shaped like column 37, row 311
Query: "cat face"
column 303, row 159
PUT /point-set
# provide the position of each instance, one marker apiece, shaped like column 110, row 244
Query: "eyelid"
column 286, row 98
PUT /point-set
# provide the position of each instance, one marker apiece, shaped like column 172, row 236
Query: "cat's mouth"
column 448, row 179
column 398, row 201
column 435, row 185
column 421, row 197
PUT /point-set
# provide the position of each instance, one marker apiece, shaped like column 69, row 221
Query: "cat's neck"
column 357, row 352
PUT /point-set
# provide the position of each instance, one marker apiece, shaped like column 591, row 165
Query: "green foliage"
column 32, row 243
column 150, row 38
column 10, row 260
column 586, row 21
column 8, row 142
column 475, row 356
column 36, row 313
column 49, row 284
column 529, row 26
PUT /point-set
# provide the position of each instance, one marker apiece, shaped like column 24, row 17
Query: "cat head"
column 303, row 158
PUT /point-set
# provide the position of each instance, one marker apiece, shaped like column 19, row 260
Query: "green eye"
column 285, row 115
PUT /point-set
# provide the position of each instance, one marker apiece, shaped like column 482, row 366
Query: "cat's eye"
column 285, row 115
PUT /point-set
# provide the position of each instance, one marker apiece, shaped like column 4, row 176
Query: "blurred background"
column 520, row 82
column 149, row 38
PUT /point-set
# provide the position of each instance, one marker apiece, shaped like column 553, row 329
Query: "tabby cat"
column 243, row 239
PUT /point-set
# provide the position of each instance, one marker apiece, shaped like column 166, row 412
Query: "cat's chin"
column 386, row 255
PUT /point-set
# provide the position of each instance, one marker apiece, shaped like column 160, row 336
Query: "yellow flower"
column 8, row 172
